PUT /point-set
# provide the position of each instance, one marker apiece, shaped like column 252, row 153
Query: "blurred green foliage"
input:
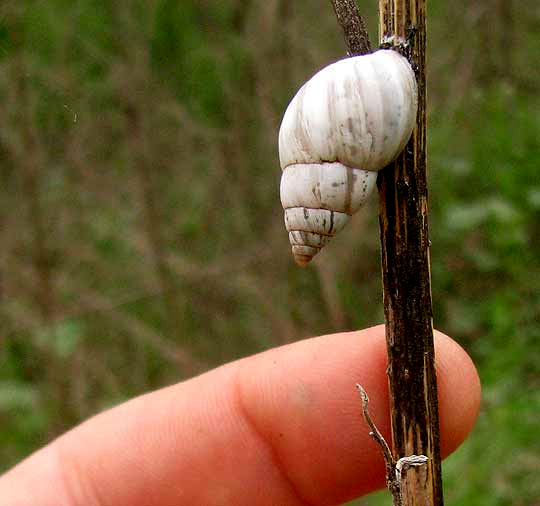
column 141, row 227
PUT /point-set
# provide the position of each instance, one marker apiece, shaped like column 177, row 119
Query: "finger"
column 283, row 427
column 325, row 447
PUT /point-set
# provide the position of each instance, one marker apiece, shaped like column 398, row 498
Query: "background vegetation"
column 141, row 231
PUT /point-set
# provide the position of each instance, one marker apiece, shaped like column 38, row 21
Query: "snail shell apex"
column 348, row 121
column 319, row 199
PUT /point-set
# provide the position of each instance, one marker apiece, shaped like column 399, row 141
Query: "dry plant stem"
column 354, row 27
column 403, row 216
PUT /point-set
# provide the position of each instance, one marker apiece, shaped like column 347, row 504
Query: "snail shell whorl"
column 348, row 121
column 319, row 199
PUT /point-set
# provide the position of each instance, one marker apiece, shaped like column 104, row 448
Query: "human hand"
column 281, row 428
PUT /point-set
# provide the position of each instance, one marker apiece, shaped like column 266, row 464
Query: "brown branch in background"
column 143, row 333
column 354, row 27
column 335, row 309
column 31, row 169
column 31, row 156
column 403, row 217
column 151, row 219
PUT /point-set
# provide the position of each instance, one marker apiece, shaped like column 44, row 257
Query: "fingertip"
column 303, row 401
column 459, row 392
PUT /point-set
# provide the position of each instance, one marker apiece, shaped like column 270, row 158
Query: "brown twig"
column 403, row 217
column 403, row 221
column 354, row 27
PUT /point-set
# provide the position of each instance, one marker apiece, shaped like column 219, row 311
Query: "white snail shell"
column 348, row 121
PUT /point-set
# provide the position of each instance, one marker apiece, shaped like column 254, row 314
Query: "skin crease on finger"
column 281, row 428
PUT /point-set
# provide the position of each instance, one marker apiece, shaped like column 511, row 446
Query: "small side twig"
column 394, row 470
column 376, row 435
column 354, row 27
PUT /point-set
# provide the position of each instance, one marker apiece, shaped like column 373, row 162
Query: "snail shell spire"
column 348, row 121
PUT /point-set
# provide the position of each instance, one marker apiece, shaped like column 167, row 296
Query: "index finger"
column 280, row 428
